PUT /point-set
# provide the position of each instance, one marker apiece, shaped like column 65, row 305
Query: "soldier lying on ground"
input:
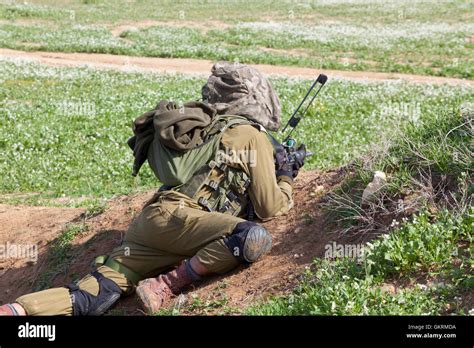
column 217, row 163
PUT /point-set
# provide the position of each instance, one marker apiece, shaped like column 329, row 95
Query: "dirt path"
column 298, row 238
column 203, row 67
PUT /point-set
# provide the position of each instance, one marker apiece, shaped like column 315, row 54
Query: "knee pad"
column 248, row 241
column 84, row 303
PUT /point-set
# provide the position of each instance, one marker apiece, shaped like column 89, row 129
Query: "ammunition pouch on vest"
column 227, row 195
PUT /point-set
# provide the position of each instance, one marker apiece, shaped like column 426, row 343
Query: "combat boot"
column 155, row 293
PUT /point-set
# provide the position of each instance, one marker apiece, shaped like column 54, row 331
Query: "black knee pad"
column 84, row 303
column 248, row 241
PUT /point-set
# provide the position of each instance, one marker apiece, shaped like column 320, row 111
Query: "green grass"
column 64, row 130
column 378, row 37
column 347, row 287
column 59, row 256
column 341, row 288
column 448, row 150
column 104, row 11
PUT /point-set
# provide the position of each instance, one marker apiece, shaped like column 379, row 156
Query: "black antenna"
column 295, row 118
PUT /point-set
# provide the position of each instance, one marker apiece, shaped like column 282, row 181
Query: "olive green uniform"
column 172, row 227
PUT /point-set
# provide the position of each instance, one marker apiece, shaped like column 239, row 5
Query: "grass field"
column 405, row 36
column 63, row 130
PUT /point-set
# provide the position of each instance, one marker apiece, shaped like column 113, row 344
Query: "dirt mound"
column 298, row 237
column 24, row 232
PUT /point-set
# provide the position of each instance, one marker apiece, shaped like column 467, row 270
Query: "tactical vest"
column 205, row 173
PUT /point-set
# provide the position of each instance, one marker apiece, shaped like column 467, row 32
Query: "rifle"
column 288, row 143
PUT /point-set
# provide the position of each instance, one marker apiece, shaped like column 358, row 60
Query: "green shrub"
column 419, row 245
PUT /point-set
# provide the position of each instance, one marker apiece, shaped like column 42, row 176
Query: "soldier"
column 201, row 224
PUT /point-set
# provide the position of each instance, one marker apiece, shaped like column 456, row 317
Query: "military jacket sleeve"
column 271, row 196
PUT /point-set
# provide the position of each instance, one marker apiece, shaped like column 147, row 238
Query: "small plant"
column 95, row 208
column 59, row 257
column 308, row 219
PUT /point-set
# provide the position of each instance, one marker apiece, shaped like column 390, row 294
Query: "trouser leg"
column 214, row 242
column 140, row 258
column 247, row 242
column 57, row 301
column 185, row 232
column 217, row 240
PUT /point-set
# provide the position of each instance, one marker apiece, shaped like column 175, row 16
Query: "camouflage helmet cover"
column 239, row 89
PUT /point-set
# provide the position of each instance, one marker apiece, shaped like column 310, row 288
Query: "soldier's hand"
column 298, row 159
column 282, row 165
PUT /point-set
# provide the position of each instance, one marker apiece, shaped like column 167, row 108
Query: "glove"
column 298, row 158
column 282, row 165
